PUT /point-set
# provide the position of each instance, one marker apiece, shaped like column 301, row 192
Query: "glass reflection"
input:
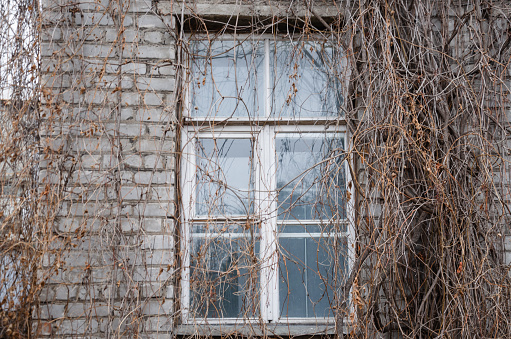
column 311, row 180
column 224, row 177
column 305, row 80
column 228, row 78
column 310, row 271
column 225, row 277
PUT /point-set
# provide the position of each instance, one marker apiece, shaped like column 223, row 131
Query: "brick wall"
column 110, row 97
column 109, row 107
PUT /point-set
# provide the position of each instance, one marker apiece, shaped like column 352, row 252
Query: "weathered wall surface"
column 110, row 96
column 109, row 118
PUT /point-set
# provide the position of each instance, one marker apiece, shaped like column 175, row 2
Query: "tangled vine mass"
column 426, row 107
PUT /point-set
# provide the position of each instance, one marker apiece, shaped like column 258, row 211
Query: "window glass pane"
column 306, row 80
column 228, row 78
column 224, row 277
column 311, row 181
column 292, row 288
column 224, row 177
column 310, row 271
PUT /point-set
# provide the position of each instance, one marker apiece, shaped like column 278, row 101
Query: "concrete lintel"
column 224, row 10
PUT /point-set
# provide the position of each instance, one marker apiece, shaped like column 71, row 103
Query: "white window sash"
column 263, row 131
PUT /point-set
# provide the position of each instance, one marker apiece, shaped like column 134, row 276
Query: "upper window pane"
column 305, row 80
column 311, row 181
column 228, row 79
column 224, row 177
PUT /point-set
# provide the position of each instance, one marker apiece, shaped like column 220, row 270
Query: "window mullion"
column 274, row 285
column 269, row 271
column 188, row 182
column 267, row 74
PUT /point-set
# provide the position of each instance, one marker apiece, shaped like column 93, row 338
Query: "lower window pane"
column 311, row 269
column 224, row 279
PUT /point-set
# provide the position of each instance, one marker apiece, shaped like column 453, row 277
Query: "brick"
column 149, row 114
column 127, row 20
column 154, row 210
column 147, row 106
column 126, row 177
column 156, row 84
column 507, row 244
column 151, row 21
column 112, row 81
column 134, row 68
column 130, row 99
column 95, row 67
column 152, row 225
column 92, row 19
column 155, row 52
column 44, row 328
column 507, row 258
column 148, row 273
column 130, row 130
column 157, row 130
column 69, row 225
column 140, row 6
column 153, row 37
column 133, row 161
column 159, row 258
column 51, row 34
column 98, row 51
column 163, row 69
column 66, row 292
column 137, row 193
column 153, row 290
column 158, row 242
column 95, row 209
column 161, row 146
column 77, row 326
column 95, row 96
column 170, row 163
column 168, row 226
column 153, row 161
column 153, row 99
column 90, row 177
column 155, row 307
column 130, row 225
column 129, row 35
column 163, row 193
column 150, row 177
column 159, row 324
column 127, row 114
column 75, row 310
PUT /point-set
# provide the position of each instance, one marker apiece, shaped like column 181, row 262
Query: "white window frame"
column 263, row 131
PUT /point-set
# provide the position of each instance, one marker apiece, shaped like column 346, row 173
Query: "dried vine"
column 426, row 107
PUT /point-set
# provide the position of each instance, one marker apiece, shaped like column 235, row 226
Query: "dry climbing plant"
column 20, row 239
column 427, row 110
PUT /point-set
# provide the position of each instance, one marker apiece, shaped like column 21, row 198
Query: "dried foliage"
column 429, row 118
column 19, row 230
column 426, row 108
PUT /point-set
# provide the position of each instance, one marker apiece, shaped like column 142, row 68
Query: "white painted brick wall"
column 103, row 265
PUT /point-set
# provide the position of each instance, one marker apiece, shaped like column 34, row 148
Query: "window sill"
column 254, row 329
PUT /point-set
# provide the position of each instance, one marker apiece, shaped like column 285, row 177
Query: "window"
column 264, row 182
